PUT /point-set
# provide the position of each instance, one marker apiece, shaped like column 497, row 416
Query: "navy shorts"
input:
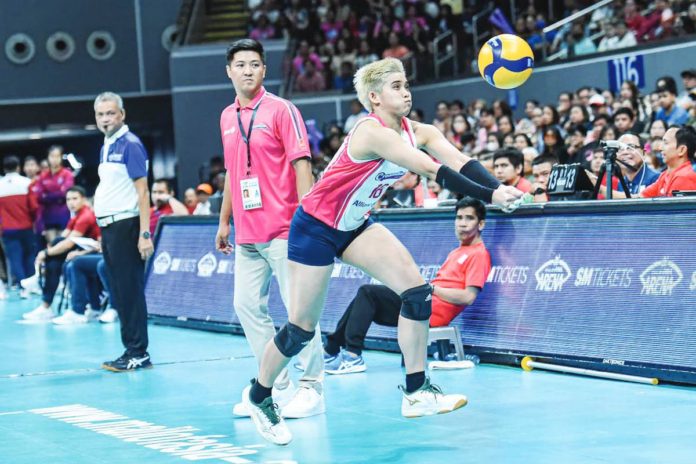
column 313, row 243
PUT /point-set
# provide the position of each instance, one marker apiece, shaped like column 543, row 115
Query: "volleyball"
column 506, row 61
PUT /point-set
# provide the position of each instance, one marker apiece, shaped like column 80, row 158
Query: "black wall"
column 45, row 101
column 139, row 64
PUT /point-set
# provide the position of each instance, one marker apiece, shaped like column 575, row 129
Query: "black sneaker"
column 128, row 362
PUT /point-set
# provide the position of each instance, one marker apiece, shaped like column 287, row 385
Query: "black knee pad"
column 416, row 303
column 291, row 339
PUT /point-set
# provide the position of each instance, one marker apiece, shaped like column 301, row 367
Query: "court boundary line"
column 99, row 369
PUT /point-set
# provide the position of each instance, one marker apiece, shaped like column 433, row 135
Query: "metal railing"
column 412, row 63
column 564, row 53
column 288, row 69
column 474, row 25
column 569, row 19
column 183, row 21
column 450, row 52
column 193, row 21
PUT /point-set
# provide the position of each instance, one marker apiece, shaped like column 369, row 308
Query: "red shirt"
column 419, row 197
column 524, row 185
column 682, row 178
column 614, row 186
column 85, row 222
column 17, row 203
column 396, row 52
column 156, row 213
column 466, row 266
column 278, row 138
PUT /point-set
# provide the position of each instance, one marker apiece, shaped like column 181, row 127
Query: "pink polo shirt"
column 278, row 138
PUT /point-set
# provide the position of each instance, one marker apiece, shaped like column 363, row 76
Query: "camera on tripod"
column 610, row 168
column 612, row 145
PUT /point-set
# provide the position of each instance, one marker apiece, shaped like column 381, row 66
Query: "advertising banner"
column 617, row 288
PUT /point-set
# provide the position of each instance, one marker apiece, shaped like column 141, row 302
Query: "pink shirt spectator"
column 395, row 27
column 482, row 137
column 262, row 33
column 50, row 190
column 298, row 62
column 310, row 83
column 410, row 23
column 331, row 30
column 278, row 138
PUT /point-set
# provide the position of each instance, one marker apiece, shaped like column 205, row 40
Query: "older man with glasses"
column 637, row 174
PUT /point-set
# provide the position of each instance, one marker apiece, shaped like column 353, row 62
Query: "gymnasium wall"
column 135, row 63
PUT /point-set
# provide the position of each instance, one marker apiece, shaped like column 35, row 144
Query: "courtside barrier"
column 607, row 286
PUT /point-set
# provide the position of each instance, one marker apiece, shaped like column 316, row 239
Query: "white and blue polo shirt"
column 122, row 159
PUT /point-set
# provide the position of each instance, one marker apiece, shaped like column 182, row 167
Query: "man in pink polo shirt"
column 268, row 166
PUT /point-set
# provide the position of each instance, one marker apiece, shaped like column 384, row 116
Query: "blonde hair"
column 372, row 77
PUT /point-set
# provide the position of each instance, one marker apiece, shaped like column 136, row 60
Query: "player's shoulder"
column 478, row 250
column 368, row 129
column 276, row 104
column 370, row 122
column 423, row 127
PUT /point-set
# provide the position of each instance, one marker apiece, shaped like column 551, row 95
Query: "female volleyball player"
column 332, row 221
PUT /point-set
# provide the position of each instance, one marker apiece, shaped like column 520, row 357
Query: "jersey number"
column 377, row 192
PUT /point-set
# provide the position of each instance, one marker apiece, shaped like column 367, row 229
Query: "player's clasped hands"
column 507, row 197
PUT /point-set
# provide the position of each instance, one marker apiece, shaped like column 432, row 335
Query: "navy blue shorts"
column 313, row 243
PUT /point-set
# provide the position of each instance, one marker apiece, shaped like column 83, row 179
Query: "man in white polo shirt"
column 122, row 208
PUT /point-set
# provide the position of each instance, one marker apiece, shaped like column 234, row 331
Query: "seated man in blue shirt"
column 669, row 111
column 636, row 173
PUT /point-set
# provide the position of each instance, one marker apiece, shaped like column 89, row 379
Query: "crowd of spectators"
column 620, row 24
column 333, row 38
column 521, row 151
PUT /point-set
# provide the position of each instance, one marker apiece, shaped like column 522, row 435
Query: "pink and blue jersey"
column 350, row 188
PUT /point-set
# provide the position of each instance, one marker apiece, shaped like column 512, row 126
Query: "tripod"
column 609, row 167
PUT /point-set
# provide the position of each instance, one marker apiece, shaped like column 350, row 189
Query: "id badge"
column 251, row 193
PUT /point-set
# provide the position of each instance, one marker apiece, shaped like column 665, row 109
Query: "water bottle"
column 473, row 358
column 453, row 357
column 448, row 357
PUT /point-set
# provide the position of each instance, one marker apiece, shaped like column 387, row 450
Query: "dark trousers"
column 373, row 303
column 126, row 275
column 104, row 280
column 86, row 282
column 20, row 251
column 53, row 269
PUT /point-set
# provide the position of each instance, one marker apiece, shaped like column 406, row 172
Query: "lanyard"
column 247, row 136
column 635, row 188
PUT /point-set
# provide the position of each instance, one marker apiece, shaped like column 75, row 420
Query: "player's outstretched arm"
column 373, row 139
column 430, row 138
column 436, row 144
